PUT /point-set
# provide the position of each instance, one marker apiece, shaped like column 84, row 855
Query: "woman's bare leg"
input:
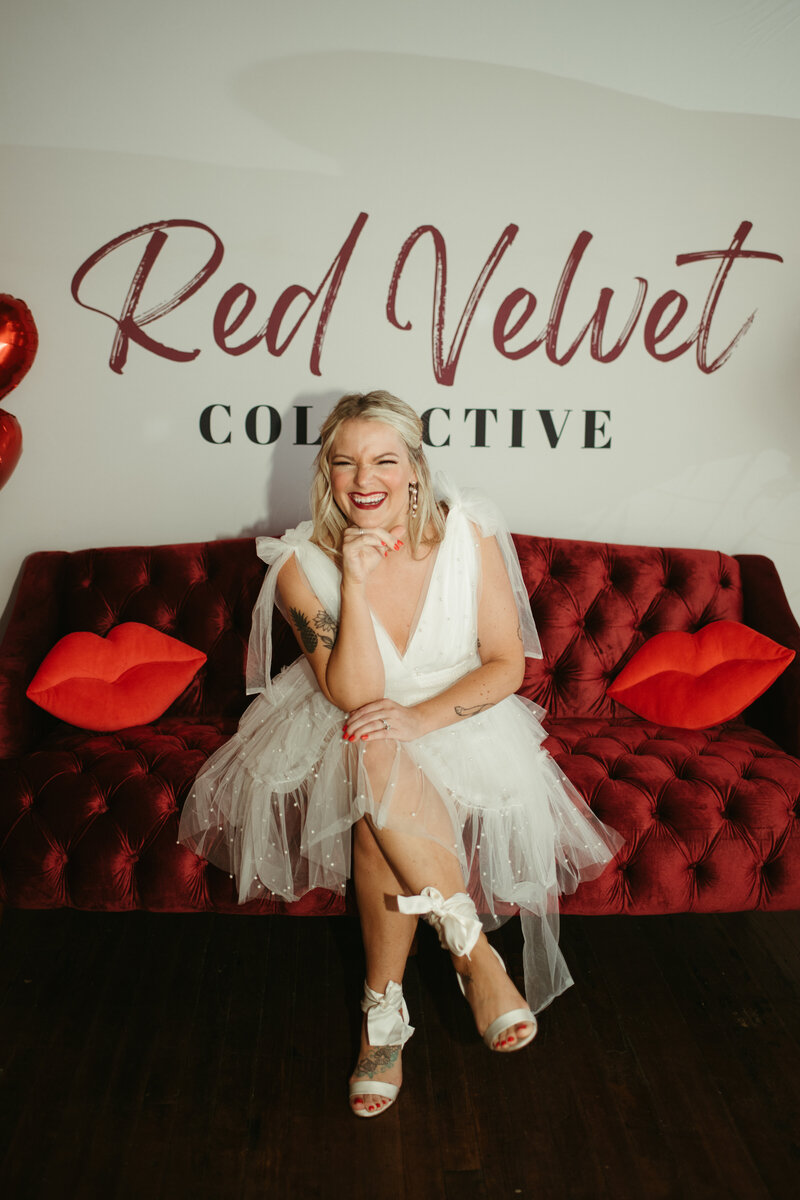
column 420, row 862
column 387, row 935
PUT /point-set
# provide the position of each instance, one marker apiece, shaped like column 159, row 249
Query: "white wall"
column 659, row 134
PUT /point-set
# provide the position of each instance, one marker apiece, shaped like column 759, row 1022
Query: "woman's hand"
column 363, row 549
column 381, row 719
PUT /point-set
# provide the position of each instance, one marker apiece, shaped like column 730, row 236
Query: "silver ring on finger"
column 386, row 724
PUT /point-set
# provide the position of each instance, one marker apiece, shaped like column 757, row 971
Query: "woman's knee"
column 378, row 761
column 364, row 842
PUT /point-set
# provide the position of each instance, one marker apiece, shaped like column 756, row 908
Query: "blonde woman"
column 394, row 750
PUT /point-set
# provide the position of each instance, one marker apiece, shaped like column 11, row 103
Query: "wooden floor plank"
column 208, row 1057
column 608, row 1090
column 708, row 1152
column 741, row 1036
column 110, row 1082
column 59, row 1107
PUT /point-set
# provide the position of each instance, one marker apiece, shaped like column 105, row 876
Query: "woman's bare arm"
column 500, row 674
column 344, row 656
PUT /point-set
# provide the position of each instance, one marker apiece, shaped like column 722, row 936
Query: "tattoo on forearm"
column 472, row 711
column 322, row 621
column 308, row 638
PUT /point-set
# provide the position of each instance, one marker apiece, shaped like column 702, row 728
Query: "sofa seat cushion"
column 91, row 821
column 710, row 817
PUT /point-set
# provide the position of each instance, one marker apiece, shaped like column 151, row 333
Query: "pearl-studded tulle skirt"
column 275, row 805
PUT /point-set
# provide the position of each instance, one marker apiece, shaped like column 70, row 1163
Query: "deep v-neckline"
column 422, row 603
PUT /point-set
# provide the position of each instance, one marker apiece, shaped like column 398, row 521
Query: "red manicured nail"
column 400, row 543
column 364, row 737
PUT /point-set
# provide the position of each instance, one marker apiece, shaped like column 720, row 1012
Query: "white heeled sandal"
column 387, row 1025
column 456, row 922
column 508, row 1020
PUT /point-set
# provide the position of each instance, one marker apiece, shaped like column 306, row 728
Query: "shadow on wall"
column 287, row 484
column 744, row 504
column 378, row 114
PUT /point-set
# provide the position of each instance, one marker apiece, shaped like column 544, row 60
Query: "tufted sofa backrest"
column 595, row 603
column 201, row 593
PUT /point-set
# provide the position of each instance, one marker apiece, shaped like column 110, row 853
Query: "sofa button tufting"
column 622, row 765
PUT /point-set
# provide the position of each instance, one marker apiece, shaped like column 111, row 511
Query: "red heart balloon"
column 19, row 340
column 10, row 445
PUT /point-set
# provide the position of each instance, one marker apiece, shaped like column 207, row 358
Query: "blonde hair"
column 426, row 526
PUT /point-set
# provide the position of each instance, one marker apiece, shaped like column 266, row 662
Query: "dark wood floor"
column 201, row 1056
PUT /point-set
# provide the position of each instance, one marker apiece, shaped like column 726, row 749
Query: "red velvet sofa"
column 90, row 820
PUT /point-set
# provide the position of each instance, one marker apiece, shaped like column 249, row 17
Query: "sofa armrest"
column 766, row 609
column 33, row 628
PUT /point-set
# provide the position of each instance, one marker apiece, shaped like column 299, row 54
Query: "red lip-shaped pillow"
column 693, row 680
column 127, row 678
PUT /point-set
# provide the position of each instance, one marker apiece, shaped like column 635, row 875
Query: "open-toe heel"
column 387, row 1025
column 507, row 1020
column 456, row 922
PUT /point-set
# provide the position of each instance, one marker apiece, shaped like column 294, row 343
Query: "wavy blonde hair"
column 426, row 526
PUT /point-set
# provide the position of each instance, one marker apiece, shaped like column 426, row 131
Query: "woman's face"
column 370, row 474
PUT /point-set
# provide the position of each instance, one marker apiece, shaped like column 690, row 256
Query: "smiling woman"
column 370, row 473
column 394, row 752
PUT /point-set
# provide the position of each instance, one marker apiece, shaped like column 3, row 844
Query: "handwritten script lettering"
column 138, row 310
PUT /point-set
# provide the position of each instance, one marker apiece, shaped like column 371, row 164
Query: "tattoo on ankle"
column 379, row 1059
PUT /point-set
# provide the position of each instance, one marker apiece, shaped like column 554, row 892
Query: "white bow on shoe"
column 455, row 920
column 387, row 1025
column 387, row 1016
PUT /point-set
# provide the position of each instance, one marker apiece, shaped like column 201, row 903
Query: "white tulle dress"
column 275, row 805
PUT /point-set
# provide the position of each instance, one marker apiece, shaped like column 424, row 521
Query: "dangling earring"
column 413, row 496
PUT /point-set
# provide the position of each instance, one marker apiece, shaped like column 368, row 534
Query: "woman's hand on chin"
column 382, row 719
column 363, row 549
